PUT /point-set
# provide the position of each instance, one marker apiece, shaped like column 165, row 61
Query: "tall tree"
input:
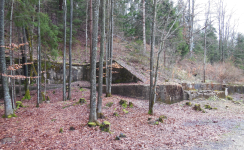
column 91, row 22
column 64, row 55
column 151, row 94
column 191, row 13
column 100, row 80
column 11, row 54
column 110, row 51
column 143, row 26
column 39, row 57
column 7, row 99
column 107, row 49
column 70, row 50
column 93, row 115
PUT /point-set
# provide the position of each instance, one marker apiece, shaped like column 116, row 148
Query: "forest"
column 120, row 74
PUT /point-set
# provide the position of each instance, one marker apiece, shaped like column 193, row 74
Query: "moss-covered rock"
column 116, row 114
column 131, row 105
column 229, row 97
column 92, row 124
column 208, row 107
column 117, row 138
column 109, row 104
column 188, row 104
column 121, row 102
column 161, row 118
column 61, row 130
column 27, row 95
column 122, row 135
column 156, row 123
column 105, row 126
column 197, row 107
column 124, row 105
column 81, row 101
column 19, row 104
column 125, row 111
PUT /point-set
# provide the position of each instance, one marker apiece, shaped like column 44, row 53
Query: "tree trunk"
column 86, row 30
column 11, row 54
column 108, row 50
column 90, row 30
column 38, row 60
column 111, row 50
column 64, row 56
column 151, row 94
column 100, row 80
column 205, row 50
column 7, row 99
column 70, row 50
column 144, row 27
column 93, row 115
column 24, row 61
column 191, row 30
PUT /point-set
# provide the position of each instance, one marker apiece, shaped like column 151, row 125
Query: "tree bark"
column 144, row 27
column 64, row 55
column 24, row 61
column 70, row 50
column 86, row 30
column 7, row 99
column 11, row 54
column 100, row 80
column 111, row 50
column 93, row 115
column 151, row 94
column 38, row 60
column 91, row 30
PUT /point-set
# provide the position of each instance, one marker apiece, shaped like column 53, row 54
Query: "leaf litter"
column 184, row 128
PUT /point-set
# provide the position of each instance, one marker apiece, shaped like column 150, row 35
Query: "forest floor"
column 184, row 128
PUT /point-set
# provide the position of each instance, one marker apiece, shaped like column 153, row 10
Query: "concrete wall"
column 165, row 93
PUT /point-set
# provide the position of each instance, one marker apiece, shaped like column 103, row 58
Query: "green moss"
column 156, row 123
column 208, row 107
column 121, row 102
column 109, row 104
column 53, row 92
column 215, row 108
column 124, row 105
column 161, row 118
column 81, row 89
column 9, row 116
column 19, row 104
column 131, row 105
column 27, row 95
column 108, row 95
column 81, row 101
column 188, row 103
column 105, row 126
column 125, row 111
column 229, row 97
column 61, row 130
column 92, row 124
column 150, row 112
column 43, row 96
column 197, row 107
column 116, row 114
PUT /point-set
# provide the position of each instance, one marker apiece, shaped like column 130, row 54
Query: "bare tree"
column 86, row 29
column 7, row 99
column 39, row 59
column 144, row 27
column 151, row 94
column 64, row 55
column 191, row 16
column 70, row 50
column 100, row 80
column 93, row 115
column 11, row 54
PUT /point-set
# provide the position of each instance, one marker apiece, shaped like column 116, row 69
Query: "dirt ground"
column 184, row 128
